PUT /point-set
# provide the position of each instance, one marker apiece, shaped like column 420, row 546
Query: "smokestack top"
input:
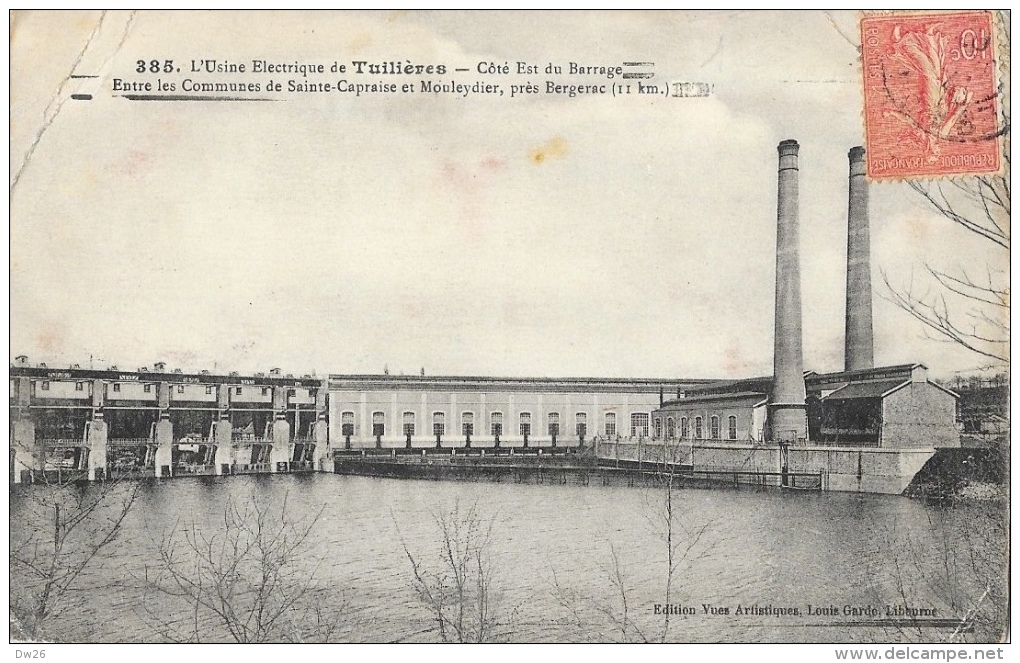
column 857, row 162
column 788, row 147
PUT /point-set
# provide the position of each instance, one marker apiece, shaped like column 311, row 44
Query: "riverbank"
column 978, row 473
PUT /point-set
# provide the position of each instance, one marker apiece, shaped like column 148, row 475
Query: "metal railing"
column 62, row 442
column 130, row 442
column 251, row 468
column 791, row 480
column 57, row 476
column 194, row 470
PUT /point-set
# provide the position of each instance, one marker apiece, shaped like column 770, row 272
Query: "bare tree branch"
column 671, row 521
column 67, row 527
column 249, row 582
column 460, row 591
column 991, row 340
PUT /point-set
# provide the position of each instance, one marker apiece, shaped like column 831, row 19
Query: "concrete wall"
column 424, row 404
column 131, row 391
column 920, row 415
column 865, row 470
column 251, row 394
column 194, row 392
column 302, row 396
column 62, row 389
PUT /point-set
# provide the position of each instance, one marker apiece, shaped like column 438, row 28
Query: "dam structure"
column 863, row 429
column 96, row 424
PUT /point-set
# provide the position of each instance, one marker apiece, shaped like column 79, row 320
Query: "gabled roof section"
column 761, row 384
column 875, row 389
column 948, row 391
column 878, row 373
column 757, row 396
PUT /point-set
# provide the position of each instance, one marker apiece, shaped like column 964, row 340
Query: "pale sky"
column 329, row 233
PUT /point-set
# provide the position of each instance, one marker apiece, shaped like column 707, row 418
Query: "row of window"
column 638, row 423
column 78, row 386
column 684, row 431
column 147, row 388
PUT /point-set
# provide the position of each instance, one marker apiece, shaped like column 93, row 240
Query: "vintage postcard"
column 510, row 327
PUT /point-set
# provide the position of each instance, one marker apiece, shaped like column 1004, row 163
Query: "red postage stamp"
column 931, row 103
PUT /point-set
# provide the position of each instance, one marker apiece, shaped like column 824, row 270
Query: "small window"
column 684, row 428
column 439, row 424
column 408, row 423
column 658, row 428
column 715, row 427
column 116, row 386
column 581, row 424
column 180, row 389
column 525, row 424
column 610, row 424
column 237, row 391
column 79, row 386
column 639, row 424
column 554, row 424
column 147, row 388
column 347, row 424
column 496, row 423
column 467, row 423
column 670, row 428
column 46, row 385
column 731, row 427
column 378, row 424
column 291, row 393
column 698, row 432
column 208, row 390
column 265, row 391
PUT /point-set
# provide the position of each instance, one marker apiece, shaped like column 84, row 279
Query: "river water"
column 740, row 555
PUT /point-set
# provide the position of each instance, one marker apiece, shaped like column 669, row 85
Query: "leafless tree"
column 681, row 538
column 613, row 617
column 59, row 529
column 459, row 587
column 969, row 306
column 957, row 563
column 249, row 581
column 608, row 618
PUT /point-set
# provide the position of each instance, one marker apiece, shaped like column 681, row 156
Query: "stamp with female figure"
column 931, row 101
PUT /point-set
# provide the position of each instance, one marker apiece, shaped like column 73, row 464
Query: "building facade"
column 887, row 407
column 386, row 411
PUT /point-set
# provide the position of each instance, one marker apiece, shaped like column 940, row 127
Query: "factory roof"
column 875, row 389
column 529, row 384
column 869, row 373
column 705, row 398
column 897, row 373
column 113, row 374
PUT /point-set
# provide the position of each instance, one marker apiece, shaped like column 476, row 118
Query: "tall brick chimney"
column 787, row 409
column 860, row 342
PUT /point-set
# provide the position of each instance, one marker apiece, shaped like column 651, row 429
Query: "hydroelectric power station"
column 863, row 429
